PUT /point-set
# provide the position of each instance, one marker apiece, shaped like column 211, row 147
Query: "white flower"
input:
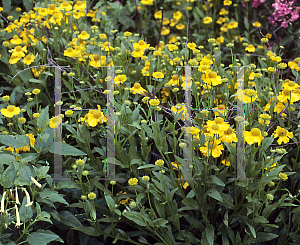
column 17, row 197
column 2, row 203
column 29, row 203
column 18, row 224
column 37, row 183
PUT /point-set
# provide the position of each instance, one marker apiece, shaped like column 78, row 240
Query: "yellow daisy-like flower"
column 95, row 116
column 84, row 35
column 207, row 20
column 36, row 91
column 159, row 162
column 158, row 74
column 137, row 89
column 226, row 162
column 120, row 79
column 28, row 59
column 228, row 136
column 283, row 176
column 211, row 78
column 172, row 47
column 80, row 5
column 11, row 111
column 286, row 95
column 220, row 122
column 97, row 60
column 127, row 34
column 192, row 46
column 283, row 135
column 250, row 48
column 254, row 136
column 213, row 148
column 133, row 181
column 92, row 195
column 154, row 102
column 138, row 52
column 178, row 108
column 294, row 65
column 55, row 121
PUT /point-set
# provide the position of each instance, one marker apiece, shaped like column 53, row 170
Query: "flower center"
column 291, row 83
column 215, row 127
column 18, row 49
column 11, row 108
column 97, row 114
column 96, row 57
column 79, row 3
column 228, row 131
column 282, row 132
column 212, row 74
column 286, row 92
column 138, row 49
column 141, row 43
column 219, row 120
column 137, row 85
column 255, row 132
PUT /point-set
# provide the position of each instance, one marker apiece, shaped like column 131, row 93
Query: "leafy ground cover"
column 150, row 122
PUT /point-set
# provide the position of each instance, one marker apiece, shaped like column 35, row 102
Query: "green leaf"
column 53, row 196
column 16, row 141
column 43, row 119
column 42, row 237
column 88, row 230
column 160, row 222
column 65, row 149
column 44, row 216
column 209, row 234
column 7, row 159
column 67, row 218
column 261, row 219
column 215, row 180
column 135, row 217
column 262, row 237
column 110, row 202
column 24, row 176
column 214, row 194
column 25, row 212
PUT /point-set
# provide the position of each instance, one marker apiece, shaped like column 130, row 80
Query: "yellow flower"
column 180, row 26
column 54, row 122
column 229, row 136
column 256, row 24
column 79, row 162
column 16, row 40
column 178, row 108
column 154, row 102
column 137, row 89
column 147, row 2
column 138, row 52
column 159, row 162
column 95, row 116
column 92, row 195
column 127, row 34
column 84, row 35
column 294, row 65
column 283, row 176
column 283, row 135
column 97, row 60
column 158, row 75
column 6, row 98
column 36, row 115
column 36, row 91
column 177, row 15
column 10, row 111
column 146, row 178
column 207, row 20
column 192, row 46
column 28, row 59
column 211, row 78
column 80, row 5
column 172, row 47
column 227, row 2
column 120, row 79
column 254, row 136
column 226, row 162
column 158, row 14
column 69, row 112
column 213, row 148
column 133, row 181
column 250, row 48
